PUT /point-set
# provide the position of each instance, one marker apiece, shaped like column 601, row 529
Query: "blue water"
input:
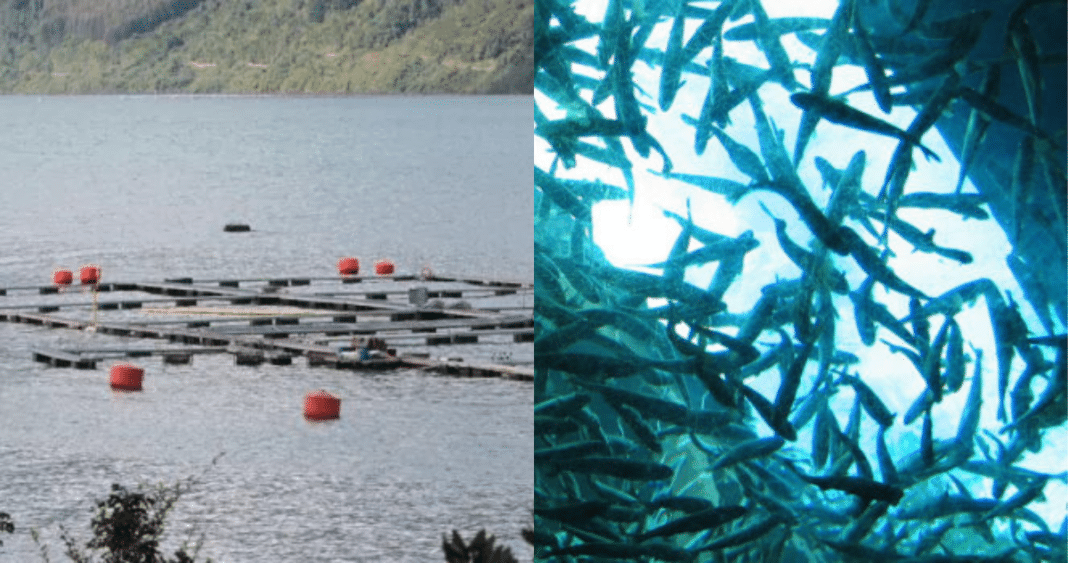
column 686, row 195
column 142, row 186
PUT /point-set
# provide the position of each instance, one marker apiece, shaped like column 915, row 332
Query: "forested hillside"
column 267, row 46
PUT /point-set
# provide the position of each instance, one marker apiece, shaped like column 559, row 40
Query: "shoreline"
column 270, row 94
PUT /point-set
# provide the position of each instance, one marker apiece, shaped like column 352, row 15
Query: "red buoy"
column 348, row 266
column 62, row 277
column 320, row 405
column 90, row 275
column 127, row 377
column 383, row 267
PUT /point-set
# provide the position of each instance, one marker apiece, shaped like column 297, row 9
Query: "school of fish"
column 653, row 440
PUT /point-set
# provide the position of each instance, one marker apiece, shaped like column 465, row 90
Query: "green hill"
column 267, row 46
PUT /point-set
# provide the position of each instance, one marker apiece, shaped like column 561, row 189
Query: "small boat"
column 371, row 361
column 389, row 362
column 237, row 228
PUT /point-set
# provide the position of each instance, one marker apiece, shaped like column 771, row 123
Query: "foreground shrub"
column 6, row 525
column 480, row 550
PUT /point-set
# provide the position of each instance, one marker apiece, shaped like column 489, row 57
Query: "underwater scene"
column 801, row 281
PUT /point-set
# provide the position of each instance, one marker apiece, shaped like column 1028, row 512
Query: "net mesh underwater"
column 831, row 357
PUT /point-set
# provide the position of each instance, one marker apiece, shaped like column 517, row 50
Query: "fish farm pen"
column 800, row 281
column 277, row 320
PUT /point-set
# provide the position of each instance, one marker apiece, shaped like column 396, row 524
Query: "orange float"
column 62, row 277
column 127, row 377
column 90, row 275
column 348, row 266
column 320, row 405
column 384, row 267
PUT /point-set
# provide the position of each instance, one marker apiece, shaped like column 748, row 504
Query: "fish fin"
column 766, row 211
column 928, row 153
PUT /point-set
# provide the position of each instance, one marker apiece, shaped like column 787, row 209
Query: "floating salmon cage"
column 276, row 320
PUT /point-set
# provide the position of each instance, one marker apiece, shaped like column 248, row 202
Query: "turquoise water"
column 727, row 326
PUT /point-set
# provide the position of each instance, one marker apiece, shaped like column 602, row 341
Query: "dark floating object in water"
column 237, row 228
column 177, row 358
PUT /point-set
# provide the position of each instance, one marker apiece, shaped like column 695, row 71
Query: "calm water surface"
column 142, row 186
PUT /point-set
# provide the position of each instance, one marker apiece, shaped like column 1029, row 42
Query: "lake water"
column 142, row 186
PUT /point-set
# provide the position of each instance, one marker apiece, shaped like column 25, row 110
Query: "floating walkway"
column 274, row 320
